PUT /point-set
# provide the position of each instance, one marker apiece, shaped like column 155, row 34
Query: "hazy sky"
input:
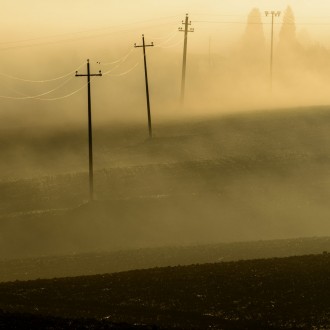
column 43, row 39
column 39, row 18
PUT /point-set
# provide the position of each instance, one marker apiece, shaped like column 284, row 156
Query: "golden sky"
column 39, row 18
column 43, row 39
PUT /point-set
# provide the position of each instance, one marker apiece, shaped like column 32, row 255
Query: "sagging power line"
column 146, row 81
column 93, row 33
column 90, row 133
column 36, row 97
column 118, row 64
column 115, row 29
column 43, row 80
column 122, row 73
column 39, row 96
column 118, row 60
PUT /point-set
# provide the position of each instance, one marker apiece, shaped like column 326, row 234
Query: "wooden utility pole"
column 146, row 80
column 210, row 55
column 90, row 134
column 186, row 23
column 273, row 14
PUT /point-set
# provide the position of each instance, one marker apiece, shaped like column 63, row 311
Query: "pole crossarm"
column 137, row 46
column 189, row 30
column 90, row 133
column 186, row 23
column 144, row 45
column 91, row 74
column 88, row 74
column 273, row 13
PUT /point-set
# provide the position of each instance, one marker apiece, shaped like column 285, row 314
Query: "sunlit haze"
column 165, row 164
column 43, row 40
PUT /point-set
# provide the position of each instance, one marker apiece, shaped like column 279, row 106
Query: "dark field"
column 288, row 293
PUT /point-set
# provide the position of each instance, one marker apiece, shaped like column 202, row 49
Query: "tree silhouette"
column 254, row 35
column 253, row 40
column 288, row 36
column 290, row 53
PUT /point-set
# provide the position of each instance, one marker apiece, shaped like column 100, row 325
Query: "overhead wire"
column 39, row 96
column 119, row 63
column 172, row 36
column 172, row 45
column 26, row 97
column 125, row 72
column 127, row 24
column 260, row 23
column 83, row 86
column 112, row 69
column 67, row 95
column 164, row 37
column 77, row 38
column 123, row 58
column 88, row 31
column 58, row 97
column 41, row 81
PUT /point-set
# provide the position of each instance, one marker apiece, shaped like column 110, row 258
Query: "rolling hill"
column 242, row 177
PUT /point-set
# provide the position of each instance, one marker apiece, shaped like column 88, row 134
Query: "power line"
column 71, row 93
column 58, row 41
column 127, row 30
column 169, row 38
column 47, row 99
column 160, row 45
column 179, row 42
column 259, row 23
column 26, row 97
column 139, row 22
column 128, row 24
column 123, row 73
column 75, row 39
column 227, row 22
column 40, row 81
column 87, row 31
column 165, row 37
column 64, row 96
column 114, row 68
column 121, row 59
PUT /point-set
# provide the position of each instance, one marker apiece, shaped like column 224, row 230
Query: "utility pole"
column 272, row 14
column 90, row 135
column 186, row 23
column 146, row 79
column 210, row 56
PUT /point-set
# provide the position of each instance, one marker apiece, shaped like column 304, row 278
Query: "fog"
column 262, row 175
column 239, row 161
column 227, row 70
